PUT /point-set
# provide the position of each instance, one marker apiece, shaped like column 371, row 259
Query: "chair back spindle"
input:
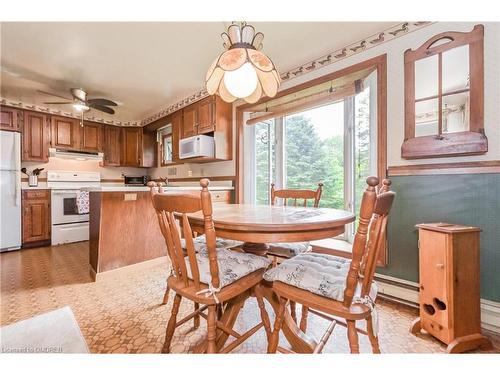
column 169, row 207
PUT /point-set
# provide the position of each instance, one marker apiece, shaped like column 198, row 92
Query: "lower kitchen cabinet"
column 36, row 217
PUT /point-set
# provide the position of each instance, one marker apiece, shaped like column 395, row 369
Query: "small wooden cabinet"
column 189, row 122
column 449, row 286
column 111, row 146
column 131, row 150
column 206, row 115
column 201, row 117
column 65, row 133
column 36, row 217
column 91, row 135
column 10, row 119
column 36, row 137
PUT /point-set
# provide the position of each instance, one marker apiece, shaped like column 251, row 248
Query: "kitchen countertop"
column 41, row 186
column 121, row 187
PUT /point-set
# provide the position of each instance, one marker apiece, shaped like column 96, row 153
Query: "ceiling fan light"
column 81, row 107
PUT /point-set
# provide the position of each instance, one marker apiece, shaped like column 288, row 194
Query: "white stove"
column 67, row 225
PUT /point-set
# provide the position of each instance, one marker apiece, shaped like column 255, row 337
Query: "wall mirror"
column 444, row 97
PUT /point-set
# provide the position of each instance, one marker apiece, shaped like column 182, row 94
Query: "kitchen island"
column 124, row 228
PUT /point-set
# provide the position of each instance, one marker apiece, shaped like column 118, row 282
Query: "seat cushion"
column 288, row 250
column 200, row 243
column 320, row 274
column 232, row 265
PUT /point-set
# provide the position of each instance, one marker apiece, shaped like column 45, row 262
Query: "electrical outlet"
column 172, row 171
column 129, row 197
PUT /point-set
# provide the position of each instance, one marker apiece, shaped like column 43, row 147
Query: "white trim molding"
column 407, row 292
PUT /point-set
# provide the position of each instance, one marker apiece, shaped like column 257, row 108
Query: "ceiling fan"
column 81, row 103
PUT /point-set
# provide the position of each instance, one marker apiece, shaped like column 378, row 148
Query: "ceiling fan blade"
column 101, row 101
column 58, row 102
column 51, row 94
column 79, row 94
column 102, row 108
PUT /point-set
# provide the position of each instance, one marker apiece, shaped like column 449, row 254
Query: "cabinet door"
column 176, row 128
column 65, row 133
column 111, row 146
column 189, row 118
column 35, row 137
column 206, row 115
column 131, row 147
column 36, row 216
column 91, row 137
column 10, row 119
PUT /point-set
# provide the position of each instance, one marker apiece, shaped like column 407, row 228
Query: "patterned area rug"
column 123, row 314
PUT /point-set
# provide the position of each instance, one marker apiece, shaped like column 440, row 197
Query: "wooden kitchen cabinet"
column 111, row 146
column 36, row 224
column 91, row 135
column 189, row 121
column 36, row 137
column 131, row 147
column 10, row 119
column 65, row 133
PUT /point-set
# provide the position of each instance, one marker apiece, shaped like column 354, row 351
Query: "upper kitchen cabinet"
column 131, row 142
column 36, row 137
column 65, row 133
column 91, row 135
column 10, row 119
column 189, row 121
column 210, row 116
column 137, row 148
column 111, row 146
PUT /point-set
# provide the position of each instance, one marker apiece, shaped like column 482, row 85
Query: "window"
column 333, row 143
column 164, row 136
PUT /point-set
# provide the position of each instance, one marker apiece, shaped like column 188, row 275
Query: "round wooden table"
column 258, row 225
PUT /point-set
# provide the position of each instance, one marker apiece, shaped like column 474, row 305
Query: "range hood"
column 75, row 155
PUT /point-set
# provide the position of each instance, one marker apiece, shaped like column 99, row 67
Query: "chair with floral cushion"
column 336, row 288
column 209, row 276
column 281, row 250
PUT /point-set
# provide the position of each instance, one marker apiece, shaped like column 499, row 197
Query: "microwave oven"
column 199, row 145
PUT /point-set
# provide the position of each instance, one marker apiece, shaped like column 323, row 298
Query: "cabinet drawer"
column 221, row 196
column 36, row 194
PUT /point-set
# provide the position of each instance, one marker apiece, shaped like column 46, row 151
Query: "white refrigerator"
column 10, row 190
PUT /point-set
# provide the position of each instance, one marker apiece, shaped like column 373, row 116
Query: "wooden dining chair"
column 337, row 288
column 284, row 250
column 208, row 276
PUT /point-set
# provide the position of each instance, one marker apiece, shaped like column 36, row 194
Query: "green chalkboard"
column 472, row 199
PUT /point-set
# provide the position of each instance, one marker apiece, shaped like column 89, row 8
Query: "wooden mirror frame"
column 471, row 142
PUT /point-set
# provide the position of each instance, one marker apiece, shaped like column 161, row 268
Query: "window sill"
column 333, row 246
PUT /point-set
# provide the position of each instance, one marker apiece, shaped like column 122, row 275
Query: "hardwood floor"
column 122, row 313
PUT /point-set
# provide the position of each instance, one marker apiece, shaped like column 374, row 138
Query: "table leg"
column 299, row 341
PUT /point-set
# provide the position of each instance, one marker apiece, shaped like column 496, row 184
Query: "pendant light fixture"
column 242, row 71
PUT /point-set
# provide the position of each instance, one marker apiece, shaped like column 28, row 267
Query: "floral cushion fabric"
column 288, row 250
column 320, row 274
column 200, row 243
column 232, row 265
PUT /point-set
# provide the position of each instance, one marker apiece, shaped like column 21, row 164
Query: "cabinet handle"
column 440, row 266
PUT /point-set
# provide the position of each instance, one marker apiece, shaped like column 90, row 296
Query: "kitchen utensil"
column 23, row 170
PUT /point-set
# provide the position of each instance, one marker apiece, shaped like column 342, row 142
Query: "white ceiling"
column 146, row 66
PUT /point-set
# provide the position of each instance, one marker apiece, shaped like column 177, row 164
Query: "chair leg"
column 352, row 335
column 371, row 336
column 171, row 324
column 293, row 310
column 165, row 296
column 303, row 318
column 211, row 329
column 263, row 313
column 273, row 343
column 196, row 318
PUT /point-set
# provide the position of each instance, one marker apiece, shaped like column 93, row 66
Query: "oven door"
column 64, row 208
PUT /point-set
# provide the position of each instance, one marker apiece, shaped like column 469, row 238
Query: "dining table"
column 257, row 225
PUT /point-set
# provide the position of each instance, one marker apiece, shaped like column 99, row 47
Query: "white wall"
column 88, row 165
